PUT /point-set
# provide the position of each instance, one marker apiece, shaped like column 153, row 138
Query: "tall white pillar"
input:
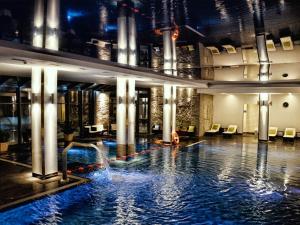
column 132, row 61
column 52, row 35
column 121, row 113
column 122, row 36
column 131, row 113
column 167, row 114
column 44, row 85
column 167, row 52
column 263, row 126
column 174, row 57
column 36, row 121
column 38, row 23
column 50, row 120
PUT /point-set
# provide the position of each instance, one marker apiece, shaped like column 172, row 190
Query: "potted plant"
column 69, row 134
column 4, row 138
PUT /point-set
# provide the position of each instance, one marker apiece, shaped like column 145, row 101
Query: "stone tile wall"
column 205, row 113
column 102, row 109
column 187, row 107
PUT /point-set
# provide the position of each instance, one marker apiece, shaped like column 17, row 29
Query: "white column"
column 121, row 112
column 53, row 13
column 38, row 23
column 132, row 40
column 167, row 52
column 44, row 160
column 174, row 57
column 36, row 93
column 50, row 120
column 263, row 125
column 131, row 113
column 167, row 114
column 36, row 121
column 122, row 36
column 173, row 108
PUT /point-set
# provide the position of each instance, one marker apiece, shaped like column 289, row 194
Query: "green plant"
column 68, row 130
column 4, row 136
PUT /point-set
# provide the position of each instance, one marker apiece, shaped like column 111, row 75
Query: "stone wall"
column 187, row 107
column 102, row 109
column 156, row 106
column 188, row 61
column 205, row 113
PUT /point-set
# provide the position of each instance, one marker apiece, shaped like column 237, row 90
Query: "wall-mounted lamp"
column 132, row 100
column 120, row 100
column 37, row 30
column 52, row 31
column 35, row 98
column 52, row 98
column 264, row 103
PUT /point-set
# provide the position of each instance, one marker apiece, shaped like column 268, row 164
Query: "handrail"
column 77, row 144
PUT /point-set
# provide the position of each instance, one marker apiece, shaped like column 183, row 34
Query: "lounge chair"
column 215, row 128
column 191, row 131
column 273, row 132
column 289, row 134
column 95, row 129
column 156, row 129
column 232, row 129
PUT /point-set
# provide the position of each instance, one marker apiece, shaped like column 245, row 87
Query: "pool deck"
column 17, row 186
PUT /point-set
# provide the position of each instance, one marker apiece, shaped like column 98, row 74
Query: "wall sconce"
column 132, row 100
column 37, row 30
column 175, row 101
column 120, row 100
column 52, row 31
column 52, row 98
column 264, row 103
column 35, row 98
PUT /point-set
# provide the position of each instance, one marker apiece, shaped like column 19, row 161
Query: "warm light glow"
column 37, row 39
column 52, row 42
column 264, row 96
column 52, row 38
column 122, row 40
column 264, row 78
column 132, row 41
column 167, row 52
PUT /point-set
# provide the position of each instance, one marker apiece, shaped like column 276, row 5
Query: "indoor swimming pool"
column 202, row 184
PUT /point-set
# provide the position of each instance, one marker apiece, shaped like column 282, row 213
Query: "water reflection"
column 262, row 159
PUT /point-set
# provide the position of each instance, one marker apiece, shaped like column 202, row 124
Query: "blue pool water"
column 202, row 184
